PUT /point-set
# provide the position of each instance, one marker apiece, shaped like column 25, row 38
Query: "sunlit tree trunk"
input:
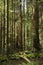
column 41, row 34
column 1, row 33
column 24, row 3
column 14, row 27
column 42, row 12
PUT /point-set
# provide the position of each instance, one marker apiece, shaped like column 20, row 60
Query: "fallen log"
column 25, row 58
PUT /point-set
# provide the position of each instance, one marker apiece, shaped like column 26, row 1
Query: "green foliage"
column 32, row 63
column 3, row 58
column 14, row 56
column 31, row 55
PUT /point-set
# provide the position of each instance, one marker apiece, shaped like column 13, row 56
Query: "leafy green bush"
column 3, row 57
column 14, row 56
column 31, row 55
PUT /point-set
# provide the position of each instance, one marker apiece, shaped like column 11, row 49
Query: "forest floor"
column 20, row 61
column 17, row 62
column 38, row 60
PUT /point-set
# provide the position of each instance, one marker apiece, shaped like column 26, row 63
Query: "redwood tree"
column 36, row 43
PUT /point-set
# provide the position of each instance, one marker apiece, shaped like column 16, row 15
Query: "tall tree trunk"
column 36, row 43
column 1, row 34
column 24, row 15
column 14, row 27
column 12, row 46
column 42, row 11
column 4, row 30
column 21, row 45
column 7, row 27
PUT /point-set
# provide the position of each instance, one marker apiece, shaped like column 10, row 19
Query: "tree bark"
column 36, row 43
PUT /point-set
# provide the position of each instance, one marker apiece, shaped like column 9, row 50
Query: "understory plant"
column 32, row 63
